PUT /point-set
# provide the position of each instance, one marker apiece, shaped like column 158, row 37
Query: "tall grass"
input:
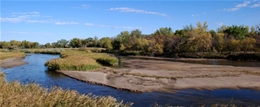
column 77, row 62
column 102, row 58
column 2, row 77
column 4, row 55
column 15, row 94
column 81, row 61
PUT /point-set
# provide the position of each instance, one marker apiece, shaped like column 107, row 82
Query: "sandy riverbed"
column 167, row 76
column 12, row 62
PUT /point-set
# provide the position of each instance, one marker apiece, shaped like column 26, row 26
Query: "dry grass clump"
column 91, row 49
column 32, row 95
column 81, row 61
column 4, row 55
column 2, row 77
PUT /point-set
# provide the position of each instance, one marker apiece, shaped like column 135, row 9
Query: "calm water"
column 36, row 72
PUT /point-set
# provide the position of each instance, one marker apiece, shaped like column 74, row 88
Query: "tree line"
column 165, row 41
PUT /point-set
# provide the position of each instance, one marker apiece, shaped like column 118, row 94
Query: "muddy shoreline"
column 167, row 76
column 12, row 62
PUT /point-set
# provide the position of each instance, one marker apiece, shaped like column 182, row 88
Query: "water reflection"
column 53, row 74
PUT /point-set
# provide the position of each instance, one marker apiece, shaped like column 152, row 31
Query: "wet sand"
column 12, row 62
column 166, row 76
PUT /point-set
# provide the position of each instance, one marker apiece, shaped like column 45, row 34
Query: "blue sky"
column 49, row 21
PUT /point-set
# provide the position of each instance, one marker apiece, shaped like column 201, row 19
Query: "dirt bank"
column 167, row 76
column 12, row 62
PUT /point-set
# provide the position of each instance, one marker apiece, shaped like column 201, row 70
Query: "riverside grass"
column 81, row 61
column 42, row 51
column 5, row 55
column 15, row 94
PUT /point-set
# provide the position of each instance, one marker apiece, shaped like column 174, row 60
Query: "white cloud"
column 89, row 24
column 18, row 17
column 113, row 27
column 126, row 9
column 255, row 5
column 66, row 23
column 39, row 21
column 84, row 6
column 237, row 7
column 220, row 24
column 12, row 20
column 32, row 17
column 195, row 15
column 29, row 33
column 25, row 13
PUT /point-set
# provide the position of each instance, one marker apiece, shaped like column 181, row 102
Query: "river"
column 36, row 72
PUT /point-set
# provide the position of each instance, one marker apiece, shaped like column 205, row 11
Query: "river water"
column 36, row 72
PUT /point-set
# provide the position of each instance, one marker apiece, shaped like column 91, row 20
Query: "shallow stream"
column 36, row 72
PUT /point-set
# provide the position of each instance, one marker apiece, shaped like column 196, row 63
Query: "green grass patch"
column 81, row 61
column 76, row 62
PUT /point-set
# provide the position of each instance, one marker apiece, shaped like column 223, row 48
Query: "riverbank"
column 167, row 76
column 12, row 62
column 18, row 94
column 11, row 59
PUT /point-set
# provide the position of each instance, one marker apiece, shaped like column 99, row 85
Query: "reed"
column 2, row 77
column 15, row 94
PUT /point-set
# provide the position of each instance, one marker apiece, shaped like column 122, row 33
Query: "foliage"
column 164, row 41
column 75, row 42
column 106, row 43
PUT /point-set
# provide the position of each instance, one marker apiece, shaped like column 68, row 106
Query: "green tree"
column 106, row 43
column 75, row 43
column 238, row 32
column 63, row 43
column 5, row 45
column 26, row 44
column 166, row 31
column 47, row 45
